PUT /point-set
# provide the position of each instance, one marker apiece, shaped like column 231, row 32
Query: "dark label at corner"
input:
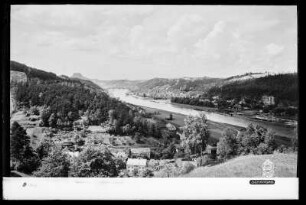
column 259, row 182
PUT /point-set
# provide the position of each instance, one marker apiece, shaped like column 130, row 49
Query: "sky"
column 135, row 42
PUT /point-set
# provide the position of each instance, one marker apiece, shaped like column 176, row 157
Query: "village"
column 137, row 157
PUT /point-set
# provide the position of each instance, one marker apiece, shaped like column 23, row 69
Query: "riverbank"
column 216, row 129
column 243, row 114
column 280, row 129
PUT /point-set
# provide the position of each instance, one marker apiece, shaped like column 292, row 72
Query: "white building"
column 268, row 100
column 138, row 166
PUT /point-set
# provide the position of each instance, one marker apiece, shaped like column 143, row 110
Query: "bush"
column 22, row 153
column 30, row 164
column 56, row 164
column 79, row 140
column 148, row 173
column 120, row 164
column 187, row 167
column 34, row 110
column 282, row 149
column 205, row 160
column 44, row 148
column 257, row 140
column 227, row 145
column 155, row 154
column 30, row 161
column 294, row 143
column 263, row 149
column 94, row 162
column 179, row 154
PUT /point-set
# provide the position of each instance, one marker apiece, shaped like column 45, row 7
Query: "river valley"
column 241, row 121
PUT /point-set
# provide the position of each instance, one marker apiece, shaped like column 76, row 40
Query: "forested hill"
column 284, row 87
column 33, row 73
column 65, row 99
column 41, row 76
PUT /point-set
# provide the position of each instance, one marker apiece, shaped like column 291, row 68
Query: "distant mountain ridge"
column 79, row 76
column 119, row 84
column 20, row 71
column 166, row 88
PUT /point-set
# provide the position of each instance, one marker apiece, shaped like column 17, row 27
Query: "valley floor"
column 216, row 129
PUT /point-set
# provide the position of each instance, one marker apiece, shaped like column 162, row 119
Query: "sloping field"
column 250, row 166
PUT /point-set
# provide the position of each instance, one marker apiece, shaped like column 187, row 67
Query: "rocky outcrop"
column 12, row 104
column 79, row 76
column 18, row 77
column 15, row 77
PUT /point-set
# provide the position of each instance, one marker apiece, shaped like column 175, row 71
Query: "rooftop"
column 140, row 150
column 137, row 162
column 209, row 147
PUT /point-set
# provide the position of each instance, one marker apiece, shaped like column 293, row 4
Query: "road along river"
column 122, row 94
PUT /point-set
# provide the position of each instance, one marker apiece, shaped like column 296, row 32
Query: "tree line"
column 192, row 101
column 284, row 87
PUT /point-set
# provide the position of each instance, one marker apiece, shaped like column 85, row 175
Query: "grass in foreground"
column 250, row 166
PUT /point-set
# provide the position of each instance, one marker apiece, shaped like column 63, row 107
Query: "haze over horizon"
column 141, row 42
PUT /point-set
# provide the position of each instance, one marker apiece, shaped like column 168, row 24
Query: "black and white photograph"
column 187, row 92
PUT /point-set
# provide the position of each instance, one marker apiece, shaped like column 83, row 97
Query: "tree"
column 169, row 152
column 21, row 151
column 256, row 140
column 137, row 137
column 196, row 133
column 81, row 112
column 85, row 122
column 19, row 141
column 30, row 161
column 44, row 148
column 79, row 140
column 295, row 142
column 56, row 164
column 52, row 120
column 34, row 110
column 73, row 115
column 111, row 116
column 45, row 114
column 59, row 122
column 227, row 145
column 94, row 162
column 120, row 164
column 126, row 129
column 151, row 129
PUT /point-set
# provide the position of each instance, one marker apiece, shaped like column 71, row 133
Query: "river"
column 122, row 94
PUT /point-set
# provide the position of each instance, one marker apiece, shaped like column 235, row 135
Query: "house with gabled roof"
column 140, row 153
column 136, row 166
